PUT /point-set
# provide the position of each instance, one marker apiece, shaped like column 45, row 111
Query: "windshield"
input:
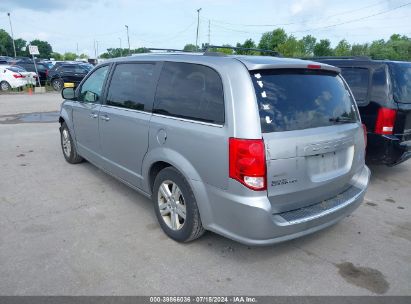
column 401, row 74
column 296, row 99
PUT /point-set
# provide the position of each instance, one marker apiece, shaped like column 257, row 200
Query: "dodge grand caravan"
column 258, row 149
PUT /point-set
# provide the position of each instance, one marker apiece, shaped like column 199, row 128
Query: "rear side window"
column 401, row 74
column 66, row 68
column 132, row 86
column 357, row 79
column 300, row 99
column 41, row 67
column 80, row 70
column 379, row 85
column 190, row 91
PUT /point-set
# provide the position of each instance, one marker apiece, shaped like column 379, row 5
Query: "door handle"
column 93, row 115
column 105, row 117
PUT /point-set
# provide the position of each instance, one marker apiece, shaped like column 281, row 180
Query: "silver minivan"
column 258, row 149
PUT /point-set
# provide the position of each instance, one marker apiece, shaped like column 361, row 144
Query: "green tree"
column 6, row 44
column 323, row 48
column 56, row 56
column 227, row 51
column 380, row 50
column 70, row 56
column 44, row 47
column 308, row 44
column 343, row 48
column 21, row 49
column 401, row 47
column 114, row 53
column 83, row 56
column 190, row 47
column 291, row 47
column 271, row 40
column 140, row 50
column 360, row 49
column 248, row 44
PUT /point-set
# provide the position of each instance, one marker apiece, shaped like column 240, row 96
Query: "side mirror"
column 68, row 93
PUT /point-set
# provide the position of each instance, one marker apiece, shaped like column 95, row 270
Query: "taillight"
column 247, row 162
column 385, row 121
column 364, row 128
column 314, row 66
column 47, row 73
column 18, row 76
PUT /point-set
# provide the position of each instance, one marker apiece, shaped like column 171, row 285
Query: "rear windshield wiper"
column 341, row 119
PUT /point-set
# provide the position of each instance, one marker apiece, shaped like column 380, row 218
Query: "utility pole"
column 77, row 50
column 209, row 31
column 121, row 50
column 95, row 50
column 12, row 35
column 128, row 39
column 198, row 25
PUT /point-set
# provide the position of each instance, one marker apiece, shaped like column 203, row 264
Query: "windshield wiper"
column 342, row 119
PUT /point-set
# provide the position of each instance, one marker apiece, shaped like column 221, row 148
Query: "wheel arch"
column 160, row 158
column 66, row 117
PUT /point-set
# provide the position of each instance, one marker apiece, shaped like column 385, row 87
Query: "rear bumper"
column 387, row 149
column 250, row 220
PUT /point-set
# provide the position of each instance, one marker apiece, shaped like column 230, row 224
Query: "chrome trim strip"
column 189, row 120
column 125, row 109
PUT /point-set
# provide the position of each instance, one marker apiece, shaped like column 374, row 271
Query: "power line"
column 299, row 22
column 352, row 20
column 235, row 30
column 165, row 38
column 323, row 27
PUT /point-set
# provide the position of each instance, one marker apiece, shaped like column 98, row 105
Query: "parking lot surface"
column 74, row 230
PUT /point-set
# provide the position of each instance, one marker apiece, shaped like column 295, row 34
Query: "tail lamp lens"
column 385, row 121
column 247, row 162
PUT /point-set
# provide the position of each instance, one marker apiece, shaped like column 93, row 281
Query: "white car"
column 12, row 77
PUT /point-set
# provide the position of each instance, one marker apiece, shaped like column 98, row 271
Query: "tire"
column 5, row 86
column 67, row 146
column 184, row 229
column 57, row 84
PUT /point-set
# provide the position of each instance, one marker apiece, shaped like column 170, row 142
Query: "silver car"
column 258, row 149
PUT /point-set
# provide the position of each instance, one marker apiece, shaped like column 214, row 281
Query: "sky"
column 172, row 24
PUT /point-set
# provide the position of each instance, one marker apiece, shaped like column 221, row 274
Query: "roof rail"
column 339, row 57
column 167, row 50
column 234, row 48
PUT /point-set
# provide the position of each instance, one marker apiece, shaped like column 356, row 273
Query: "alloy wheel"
column 66, row 143
column 172, row 205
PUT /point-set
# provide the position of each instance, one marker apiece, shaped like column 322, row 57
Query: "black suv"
column 382, row 89
column 67, row 72
column 28, row 65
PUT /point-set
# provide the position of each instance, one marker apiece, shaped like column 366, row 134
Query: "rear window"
column 16, row 69
column 357, row 79
column 401, row 76
column 300, row 99
column 190, row 91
